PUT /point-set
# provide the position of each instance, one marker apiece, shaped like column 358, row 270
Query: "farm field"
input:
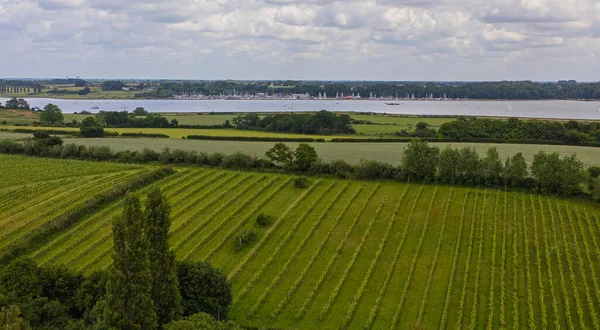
column 350, row 152
column 35, row 191
column 402, row 122
column 352, row 254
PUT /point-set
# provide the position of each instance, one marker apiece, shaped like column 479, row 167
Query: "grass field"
column 350, row 152
column 95, row 93
column 351, row 254
column 403, row 122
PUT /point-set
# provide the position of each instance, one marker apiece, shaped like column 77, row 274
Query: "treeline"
column 571, row 132
column 129, row 119
column 421, row 162
column 514, row 90
column 322, row 122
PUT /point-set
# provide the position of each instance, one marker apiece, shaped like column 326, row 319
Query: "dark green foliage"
column 129, row 119
column 252, row 138
column 165, row 288
column 91, row 131
column 91, row 291
column 281, row 154
column 112, row 85
column 555, row 175
column 264, row 220
column 140, row 112
column 201, row 321
column 594, row 171
column 322, row 122
column 374, row 170
column 301, row 182
column 10, row 316
column 245, row 239
column 149, row 135
column 15, row 103
column 419, row 161
column 21, row 277
column 515, row 170
column 128, row 290
column 204, row 289
column 304, row 157
column 51, row 114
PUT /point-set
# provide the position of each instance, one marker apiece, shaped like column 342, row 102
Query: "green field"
column 95, row 93
column 403, row 122
column 350, row 152
column 349, row 254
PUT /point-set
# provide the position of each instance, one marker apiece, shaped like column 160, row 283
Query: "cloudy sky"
column 302, row 39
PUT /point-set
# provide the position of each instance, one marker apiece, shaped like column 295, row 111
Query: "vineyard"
column 349, row 254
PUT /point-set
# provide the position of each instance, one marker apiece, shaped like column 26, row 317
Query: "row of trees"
column 145, row 288
column 322, row 122
column 15, row 103
column 571, row 132
column 518, row 90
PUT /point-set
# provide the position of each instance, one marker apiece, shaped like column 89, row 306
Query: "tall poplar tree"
column 165, row 288
column 128, row 291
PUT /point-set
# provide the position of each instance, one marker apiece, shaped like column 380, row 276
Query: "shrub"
column 91, row 131
column 301, row 182
column 264, row 220
column 203, row 289
column 245, row 239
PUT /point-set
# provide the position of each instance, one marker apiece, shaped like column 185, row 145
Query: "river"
column 527, row 109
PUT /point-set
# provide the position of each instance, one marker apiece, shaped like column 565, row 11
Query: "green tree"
column 174, row 122
column 515, row 170
column 15, row 103
column 10, row 316
column 203, row 289
column 51, row 114
column 419, row 161
column 282, row 154
column 305, row 156
column 165, row 287
column 140, row 112
column 90, row 127
column 448, row 165
column 469, row 166
column 129, row 288
column 491, row 167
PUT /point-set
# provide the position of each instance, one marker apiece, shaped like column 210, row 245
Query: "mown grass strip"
column 463, row 293
column 561, row 272
column 473, row 318
column 436, row 258
column 359, row 293
column 292, row 257
column 492, row 294
column 202, row 224
column 282, row 243
column 246, row 218
column 336, row 290
column 538, row 259
column 557, row 313
column 574, row 283
column 581, row 262
column 291, row 291
column 411, row 271
column 239, row 207
column 444, row 319
column 242, row 263
column 307, row 302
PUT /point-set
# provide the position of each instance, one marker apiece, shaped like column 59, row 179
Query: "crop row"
column 473, row 319
column 242, row 263
column 515, row 267
column 528, row 276
column 555, row 309
column 436, row 257
column 316, row 255
column 538, row 259
column 367, row 276
column 336, row 290
column 588, row 253
column 194, row 220
column 574, row 283
column 463, row 293
column 490, row 320
column 299, row 248
column 202, row 224
column 248, row 217
column 581, row 262
column 503, row 322
column 444, row 319
column 282, row 243
column 411, row 271
column 20, row 195
column 191, row 198
column 233, row 213
column 334, row 258
column 563, row 284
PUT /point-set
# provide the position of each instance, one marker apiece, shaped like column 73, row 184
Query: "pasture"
column 352, row 254
column 351, row 152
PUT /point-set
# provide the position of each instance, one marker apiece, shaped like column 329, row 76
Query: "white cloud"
column 344, row 39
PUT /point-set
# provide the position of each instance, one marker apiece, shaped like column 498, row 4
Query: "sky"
column 444, row 40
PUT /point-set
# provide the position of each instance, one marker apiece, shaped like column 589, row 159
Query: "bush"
column 301, row 182
column 264, row 220
column 245, row 239
column 40, row 135
column 203, row 289
column 148, row 135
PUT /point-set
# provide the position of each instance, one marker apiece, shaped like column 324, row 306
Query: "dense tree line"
column 112, row 85
column 322, row 122
column 129, row 119
column 470, row 128
column 515, row 90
